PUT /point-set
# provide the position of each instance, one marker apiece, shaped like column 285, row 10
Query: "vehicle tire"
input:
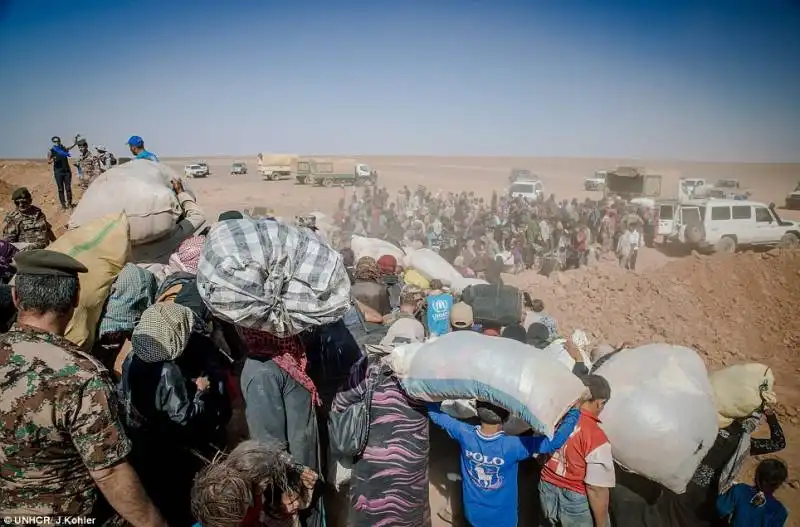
column 726, row 244
column 301, row 181
column 790, row 241
column 694, row 233
column 327, row 182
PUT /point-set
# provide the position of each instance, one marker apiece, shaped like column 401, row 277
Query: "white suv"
column 530, row 189
column 724, row 225
column 196, row 170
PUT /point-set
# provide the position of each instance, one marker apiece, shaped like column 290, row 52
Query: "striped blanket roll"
column 273, row 277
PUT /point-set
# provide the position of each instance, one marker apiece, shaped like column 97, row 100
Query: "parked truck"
column 632, row 182
column 276, row 166
column 334, row 172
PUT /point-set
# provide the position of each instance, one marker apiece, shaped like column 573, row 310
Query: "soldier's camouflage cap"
column 20, row 193
column 51, row 263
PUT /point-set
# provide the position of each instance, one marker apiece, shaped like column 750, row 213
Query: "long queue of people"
column 136, row 428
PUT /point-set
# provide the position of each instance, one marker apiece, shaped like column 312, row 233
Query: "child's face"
column 290, row 503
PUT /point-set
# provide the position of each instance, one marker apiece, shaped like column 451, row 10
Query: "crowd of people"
column 470, row 231
column 145, row 427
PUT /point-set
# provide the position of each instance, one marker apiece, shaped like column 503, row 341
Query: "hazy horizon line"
column 202, row 157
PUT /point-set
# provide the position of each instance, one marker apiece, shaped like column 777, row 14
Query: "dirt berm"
column 730, row 308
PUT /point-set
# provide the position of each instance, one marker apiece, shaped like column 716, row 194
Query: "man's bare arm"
column 124, row 492
column 598, row 503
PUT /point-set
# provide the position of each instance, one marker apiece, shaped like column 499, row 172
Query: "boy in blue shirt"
column 746, row 506
column 490, row 459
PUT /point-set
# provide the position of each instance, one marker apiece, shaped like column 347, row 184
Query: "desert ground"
column 730, row 308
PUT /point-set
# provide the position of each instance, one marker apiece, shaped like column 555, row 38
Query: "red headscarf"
column 387, row 264
column 288, row 353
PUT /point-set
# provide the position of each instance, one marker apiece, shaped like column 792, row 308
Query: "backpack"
column 348, row 430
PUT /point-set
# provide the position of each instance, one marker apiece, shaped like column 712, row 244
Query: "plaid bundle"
column 270, row 276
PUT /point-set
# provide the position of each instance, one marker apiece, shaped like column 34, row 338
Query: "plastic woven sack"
column 103, row 247
column 140, row 188
column 661, row 419
column 273, row 277
column 432, row 266
column 374, row 248
column 461, row 283
column 467, row 365
column 738, row 389
column 413, row 277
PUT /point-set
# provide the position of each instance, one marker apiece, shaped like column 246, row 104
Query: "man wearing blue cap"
column 136, row 144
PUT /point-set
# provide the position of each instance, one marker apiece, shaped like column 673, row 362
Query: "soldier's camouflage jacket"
column 30, row 227
column 58, row 421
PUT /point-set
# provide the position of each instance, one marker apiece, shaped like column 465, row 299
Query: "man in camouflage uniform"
column 90, row 164
column 28, row 223
column 60, row 436
column 107, row 159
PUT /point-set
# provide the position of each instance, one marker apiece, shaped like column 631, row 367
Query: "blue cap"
column 135, row 140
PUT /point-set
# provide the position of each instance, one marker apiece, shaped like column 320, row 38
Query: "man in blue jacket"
column 490, row 459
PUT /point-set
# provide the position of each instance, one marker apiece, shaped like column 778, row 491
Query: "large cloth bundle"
column 495, row 304
column 374, row 248
column 432, row 266
column 467, row 365
column 103, row 247
column 140, row 188
column 273, row 277
column 739, row 390
column 661, row 419
column 461, row 283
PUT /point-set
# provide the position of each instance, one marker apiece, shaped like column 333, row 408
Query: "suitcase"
column 494, row 304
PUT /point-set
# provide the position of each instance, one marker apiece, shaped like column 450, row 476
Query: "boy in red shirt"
column 576, row 480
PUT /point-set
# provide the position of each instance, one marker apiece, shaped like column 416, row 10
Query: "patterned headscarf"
column 188, row 255
column 367, row 270
column 288, row 353
column 163, row 332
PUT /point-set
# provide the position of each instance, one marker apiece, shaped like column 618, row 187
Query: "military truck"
column 632, row 182
column 276, row 166
column 334, row 172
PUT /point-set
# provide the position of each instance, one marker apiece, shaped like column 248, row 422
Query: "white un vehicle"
column 724, row 225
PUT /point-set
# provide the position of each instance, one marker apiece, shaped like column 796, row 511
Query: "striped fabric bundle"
column 270, row 276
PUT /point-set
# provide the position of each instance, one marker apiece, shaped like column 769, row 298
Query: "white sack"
column 433, row 267
column 465, row 409
column 140, row 188
column 374, row 248
column 738, row 389
column 661, row 419
column 461, row 283
column 467, row 365
column 557, row 350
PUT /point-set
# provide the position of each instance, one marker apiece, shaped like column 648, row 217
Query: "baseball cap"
column 404, row 331
column 461, row 316
column 135, row 140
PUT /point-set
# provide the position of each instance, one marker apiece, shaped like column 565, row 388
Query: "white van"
column 530, row 189
column 724, row 225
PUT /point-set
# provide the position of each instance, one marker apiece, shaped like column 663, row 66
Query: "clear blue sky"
column 704, row 80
